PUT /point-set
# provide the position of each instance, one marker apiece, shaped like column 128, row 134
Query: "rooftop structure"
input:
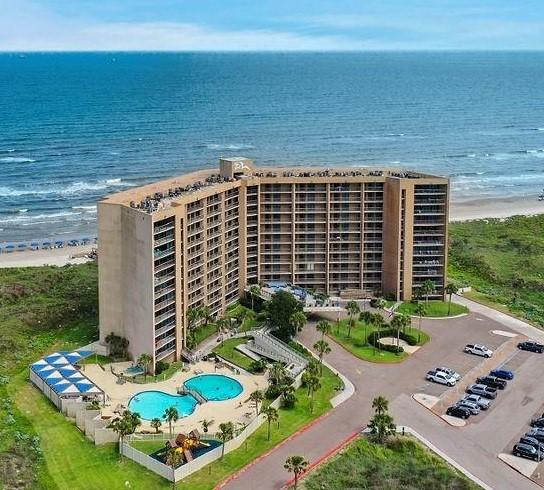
column 200, row 239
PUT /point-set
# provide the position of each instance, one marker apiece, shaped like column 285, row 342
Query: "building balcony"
column 164, row 304
column 163, row 228
column 163, row 292
column 164, row 266
column 159, row 254
column 164, row 316
column 164, row 240
column 164, row 342
column 163, row 278
column 162, row 330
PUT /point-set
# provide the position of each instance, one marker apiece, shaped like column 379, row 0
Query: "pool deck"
column 234, row 410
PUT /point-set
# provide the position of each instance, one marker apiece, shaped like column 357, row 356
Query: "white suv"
column 478, row 350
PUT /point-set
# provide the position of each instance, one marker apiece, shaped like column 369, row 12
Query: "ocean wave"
column 16, row 160
column 68, row 190
column 537, row 129
column 85, row 208
column 213, row 146
column 26, row 220
column 22, row 211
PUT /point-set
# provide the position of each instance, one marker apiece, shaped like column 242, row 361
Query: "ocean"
column 75, row 127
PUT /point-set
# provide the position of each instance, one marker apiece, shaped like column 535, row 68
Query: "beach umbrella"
column 59, row 242
column 34, row 244
column 22, row 245
column 46, row 244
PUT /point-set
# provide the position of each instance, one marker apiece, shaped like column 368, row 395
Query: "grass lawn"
column 356, row 342
column 203, row 332
column 289, row 422
column 433, row 308
column 401, row 463
column 149, row 447
column 70, row 459
column 502, row 261
column 228, row 351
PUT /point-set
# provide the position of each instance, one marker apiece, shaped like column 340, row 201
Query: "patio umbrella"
column 34, row 244
column 59, row 242
column 46, row 244
column 22, row 245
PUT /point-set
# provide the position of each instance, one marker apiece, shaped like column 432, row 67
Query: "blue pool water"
column 215, row 387
column 151, row 404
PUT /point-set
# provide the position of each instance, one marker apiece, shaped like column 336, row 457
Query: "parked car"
column 539, row 422
column 472, row 407
column 502, row 374
column 526, row 451
column 478, row 350
column 482, row 390
column 532, row 441
column 450, row 372
column 537, row 433
column 492, row 381
column 531, row 346
column 459, row 412
column 483, row 403
column 440, row 377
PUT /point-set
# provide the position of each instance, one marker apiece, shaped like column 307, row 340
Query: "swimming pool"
column 215, row 387
column 152, row 404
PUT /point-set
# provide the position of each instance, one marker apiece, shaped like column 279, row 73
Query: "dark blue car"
column 502, row 373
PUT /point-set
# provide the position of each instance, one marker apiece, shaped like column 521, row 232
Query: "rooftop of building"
column 159, row 195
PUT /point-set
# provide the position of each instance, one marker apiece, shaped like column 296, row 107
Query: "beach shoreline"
column 459, row 211
column 494, row 208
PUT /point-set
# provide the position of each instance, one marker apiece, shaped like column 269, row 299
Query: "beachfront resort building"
column 200, row 239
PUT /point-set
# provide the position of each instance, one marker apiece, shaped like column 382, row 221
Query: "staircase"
column 268, row 346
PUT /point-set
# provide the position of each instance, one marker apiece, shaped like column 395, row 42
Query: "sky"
column 270, row 25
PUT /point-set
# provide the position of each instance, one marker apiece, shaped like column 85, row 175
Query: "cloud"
column 28, row 27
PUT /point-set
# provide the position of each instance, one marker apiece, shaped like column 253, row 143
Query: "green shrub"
column 161, row 366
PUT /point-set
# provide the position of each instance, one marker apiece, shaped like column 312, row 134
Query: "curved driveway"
column 474, row 447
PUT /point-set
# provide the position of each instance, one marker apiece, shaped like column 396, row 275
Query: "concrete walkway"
column 398, row 382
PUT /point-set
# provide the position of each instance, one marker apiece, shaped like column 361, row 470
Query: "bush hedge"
column 373, row 339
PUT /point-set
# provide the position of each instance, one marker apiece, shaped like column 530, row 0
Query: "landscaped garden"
column 399, row 463
column 362, row 339
column 433, row 309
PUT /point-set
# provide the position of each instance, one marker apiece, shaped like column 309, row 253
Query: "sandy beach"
column 55, row 256
column 459, row 211
column 494, row 208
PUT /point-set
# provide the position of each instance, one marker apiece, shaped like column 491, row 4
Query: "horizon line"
column 271, row 51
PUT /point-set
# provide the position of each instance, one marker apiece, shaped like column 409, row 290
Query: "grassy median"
column 433, row 309
column 356, row 342
column 400, row 463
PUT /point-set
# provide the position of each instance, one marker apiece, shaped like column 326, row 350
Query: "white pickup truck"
column 440, row 377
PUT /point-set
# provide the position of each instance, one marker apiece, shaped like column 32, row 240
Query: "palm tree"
column 277, row 373
column 380, row 303
column 353, row 309
column 124, row 426
column 205, row 423
column 174, row 457
column 322, row 349
column 254, row 290
column 366, row 318
column 171, row 414
column 145, row 360
column 193, row 316
column 380, row 404
column 298, row 320
column 382, row 426
column 226, row 433
column 256, row 397
column 206, row 314
column 288, row 397
column 312, row 367
column 271, row 415
column 451, row 289
column 324, row 327
column 421, row 311
column 396, row 324
column 313, row 385
column 156, row 424
column 428, row 288
column 296, row 465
